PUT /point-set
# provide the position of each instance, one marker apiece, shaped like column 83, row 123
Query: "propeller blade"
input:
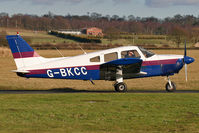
column 187, row 60
column 186, row 72
column 185, row 49
column 185, row 54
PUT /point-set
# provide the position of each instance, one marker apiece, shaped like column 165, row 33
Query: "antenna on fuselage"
column 59, row 52
column 82, row 49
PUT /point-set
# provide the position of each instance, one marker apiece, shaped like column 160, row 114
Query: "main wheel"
column 120, row 87
column 171, row 88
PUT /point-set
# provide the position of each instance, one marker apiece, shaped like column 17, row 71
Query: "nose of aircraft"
column 188, row 59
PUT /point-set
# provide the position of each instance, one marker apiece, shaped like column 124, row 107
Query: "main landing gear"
column 170, row 86
column 120, row 86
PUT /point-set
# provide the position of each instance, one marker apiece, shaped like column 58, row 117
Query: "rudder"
column 23, row 54
column 20, row 48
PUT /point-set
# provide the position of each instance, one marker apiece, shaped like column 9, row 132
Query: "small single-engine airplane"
column 113, row 64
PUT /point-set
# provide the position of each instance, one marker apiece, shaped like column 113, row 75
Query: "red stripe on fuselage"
column 96, row 67
column 25, row 54
column 159, row 62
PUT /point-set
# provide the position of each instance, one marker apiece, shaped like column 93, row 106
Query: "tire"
column 168, row 88
column 120, row 87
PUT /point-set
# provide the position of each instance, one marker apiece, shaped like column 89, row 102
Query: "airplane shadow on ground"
column 71, row 90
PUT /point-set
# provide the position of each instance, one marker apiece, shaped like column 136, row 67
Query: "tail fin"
column 23, row 54
column 20, row 48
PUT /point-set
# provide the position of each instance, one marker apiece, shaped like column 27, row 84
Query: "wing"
column 130, row 67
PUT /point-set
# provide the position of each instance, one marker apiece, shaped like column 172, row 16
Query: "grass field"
column 105, row 111
column 99, row 113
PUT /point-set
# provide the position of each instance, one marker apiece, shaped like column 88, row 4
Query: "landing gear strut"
column 120, row 86
column 170, row 86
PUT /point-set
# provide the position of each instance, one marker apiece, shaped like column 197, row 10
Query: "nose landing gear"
column 170, row 86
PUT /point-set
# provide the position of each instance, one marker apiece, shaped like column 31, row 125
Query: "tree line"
column 130, row 24
column 177, row 27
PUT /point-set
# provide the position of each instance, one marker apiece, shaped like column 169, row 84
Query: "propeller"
column 185, row 55
column 187, row 60
column 186, row 72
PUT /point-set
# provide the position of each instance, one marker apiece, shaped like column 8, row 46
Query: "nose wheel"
column 170, row 86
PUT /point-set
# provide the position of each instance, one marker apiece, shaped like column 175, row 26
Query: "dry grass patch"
column 5, row 52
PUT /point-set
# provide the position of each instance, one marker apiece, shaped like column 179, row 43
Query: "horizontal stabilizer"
column 21, row 71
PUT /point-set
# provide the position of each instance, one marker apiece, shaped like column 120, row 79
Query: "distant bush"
column 3, row 41
column 151, row 37
column 131, row 36
column 82, row 39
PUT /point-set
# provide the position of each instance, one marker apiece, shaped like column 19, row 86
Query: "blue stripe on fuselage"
column 154, row 70
column 161, row 70
column 68, row 73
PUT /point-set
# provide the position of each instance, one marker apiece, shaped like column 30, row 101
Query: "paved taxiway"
column 69, row 90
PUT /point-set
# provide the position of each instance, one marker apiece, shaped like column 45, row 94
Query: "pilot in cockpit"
column 130, row 54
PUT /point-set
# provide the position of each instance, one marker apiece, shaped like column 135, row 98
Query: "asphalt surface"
column 69, row 90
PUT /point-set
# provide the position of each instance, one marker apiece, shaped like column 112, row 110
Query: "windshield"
column 146, row 53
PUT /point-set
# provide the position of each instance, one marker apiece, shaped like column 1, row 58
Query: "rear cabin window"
column 95, row 59
column 110, row 57
column 130, row 54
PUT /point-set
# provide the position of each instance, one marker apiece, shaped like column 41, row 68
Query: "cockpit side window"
column 110, row 57
column 146, row 53
column 130, row 54
column 95, row 59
